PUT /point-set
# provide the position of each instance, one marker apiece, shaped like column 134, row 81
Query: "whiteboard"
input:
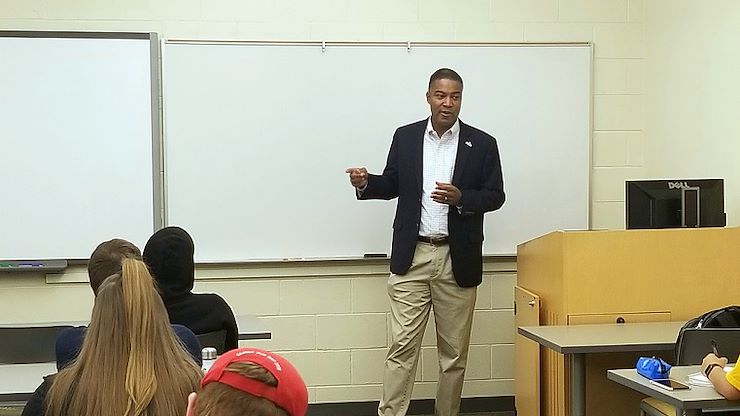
column 76, row 124
column 258, row 135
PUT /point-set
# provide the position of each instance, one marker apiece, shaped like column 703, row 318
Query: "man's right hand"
column 357, row 177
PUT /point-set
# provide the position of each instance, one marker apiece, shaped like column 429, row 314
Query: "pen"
column 714, row 348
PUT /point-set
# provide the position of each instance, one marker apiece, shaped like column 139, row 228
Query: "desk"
column 574, row 341
column 691, row 402
column 18, row 381
column 250, row 327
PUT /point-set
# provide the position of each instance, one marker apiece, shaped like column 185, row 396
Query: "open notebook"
column 699, row 379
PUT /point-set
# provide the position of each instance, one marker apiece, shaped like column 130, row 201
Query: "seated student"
column 726, row 384
column 250, row 381
column 169, row 255
column 130, row 362
column 106, row 261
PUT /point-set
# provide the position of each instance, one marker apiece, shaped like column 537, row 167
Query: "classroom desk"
column 574, row 341
column 690, row 402
column 18, row 381
column 250, row 327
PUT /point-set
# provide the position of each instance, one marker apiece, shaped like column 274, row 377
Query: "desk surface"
column 586, row 339
column 18, row 381
column 698, row 397
column 250, row 327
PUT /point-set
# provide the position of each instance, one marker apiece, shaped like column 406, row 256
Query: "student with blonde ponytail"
column 131, row 363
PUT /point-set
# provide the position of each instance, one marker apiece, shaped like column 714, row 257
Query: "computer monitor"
column 675, row 203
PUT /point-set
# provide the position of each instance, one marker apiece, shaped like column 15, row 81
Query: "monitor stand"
column 690, row 207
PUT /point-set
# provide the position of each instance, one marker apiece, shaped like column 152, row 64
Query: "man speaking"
column 446, row 175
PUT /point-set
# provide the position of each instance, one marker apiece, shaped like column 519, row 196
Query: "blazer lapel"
column 464, row 146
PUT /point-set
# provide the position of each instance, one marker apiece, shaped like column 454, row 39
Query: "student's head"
column 444, row 96
column 169, row 255
column 107, row 258
column 130, row 361
column 250, row 381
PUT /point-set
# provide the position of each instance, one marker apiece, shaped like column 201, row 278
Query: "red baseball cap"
column 290, row 394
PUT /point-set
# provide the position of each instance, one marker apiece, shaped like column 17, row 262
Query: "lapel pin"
column 469, row 144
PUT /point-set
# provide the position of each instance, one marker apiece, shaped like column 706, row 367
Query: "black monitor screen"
column 675, row 203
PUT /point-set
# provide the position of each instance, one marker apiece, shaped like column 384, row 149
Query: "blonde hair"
column 131, row 363
column 217, row 399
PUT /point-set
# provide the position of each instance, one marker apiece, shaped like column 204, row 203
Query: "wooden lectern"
column 586, row 277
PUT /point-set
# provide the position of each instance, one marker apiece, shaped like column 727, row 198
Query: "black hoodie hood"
column 169, row 255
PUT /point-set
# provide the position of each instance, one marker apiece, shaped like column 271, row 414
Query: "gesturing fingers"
column 357, row 176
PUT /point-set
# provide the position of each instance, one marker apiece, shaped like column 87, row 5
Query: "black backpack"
column 727, row 317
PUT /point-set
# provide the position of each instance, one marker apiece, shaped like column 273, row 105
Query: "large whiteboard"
column 77, row 129
column 257, row 137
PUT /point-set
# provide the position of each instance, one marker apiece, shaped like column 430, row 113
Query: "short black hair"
column 445, row 73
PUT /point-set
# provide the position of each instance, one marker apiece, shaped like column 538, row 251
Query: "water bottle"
column 208, row 354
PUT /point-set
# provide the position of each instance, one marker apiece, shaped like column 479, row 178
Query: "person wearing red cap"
column 250, row 381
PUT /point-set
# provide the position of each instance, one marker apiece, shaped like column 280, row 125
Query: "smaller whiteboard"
column 258, row 135
column 77, row 125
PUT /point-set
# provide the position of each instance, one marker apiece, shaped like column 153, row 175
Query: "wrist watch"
column 710, row 367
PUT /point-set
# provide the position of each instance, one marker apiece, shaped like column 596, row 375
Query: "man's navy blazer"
column 477, row 174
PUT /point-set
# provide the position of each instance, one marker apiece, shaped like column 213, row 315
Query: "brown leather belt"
column 435, row 241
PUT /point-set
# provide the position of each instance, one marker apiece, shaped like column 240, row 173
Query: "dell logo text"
column 678, row 185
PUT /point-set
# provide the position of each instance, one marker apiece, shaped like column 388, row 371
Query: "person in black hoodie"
column 169, row 256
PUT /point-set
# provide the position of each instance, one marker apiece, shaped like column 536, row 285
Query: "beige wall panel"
column 487, row 388
column 367, row 365
column 383, row 10
column 525, row 10
column 420, row 31
column 619, row 76
column 501, row 287
column 253, row 297
column 619, row 40
column 607, row 215
column 489, row 32
column 351, row 331
column 592, row 10
column 609, row 148
column 445, row 11
column 635, row 10
column 322, row 368
column 315, row 296
column 566, row 32
column 370, row 294
column 493, row 327
column 335, row 394
column 350, row 32
column 502, row 364
column 619, row 112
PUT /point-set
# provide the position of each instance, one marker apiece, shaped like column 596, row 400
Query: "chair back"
column 24, row 345
column 215, row 339
column 696, row 343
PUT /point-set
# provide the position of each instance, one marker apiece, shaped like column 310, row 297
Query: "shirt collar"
column 455, row 129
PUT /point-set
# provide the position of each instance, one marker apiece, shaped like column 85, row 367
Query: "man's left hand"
column 446, row 193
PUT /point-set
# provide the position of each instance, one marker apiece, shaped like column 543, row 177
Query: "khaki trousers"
column 429, row 284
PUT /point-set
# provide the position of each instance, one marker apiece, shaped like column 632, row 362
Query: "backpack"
column 726, row 317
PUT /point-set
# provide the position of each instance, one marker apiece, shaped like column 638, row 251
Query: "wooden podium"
column 583, row 277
